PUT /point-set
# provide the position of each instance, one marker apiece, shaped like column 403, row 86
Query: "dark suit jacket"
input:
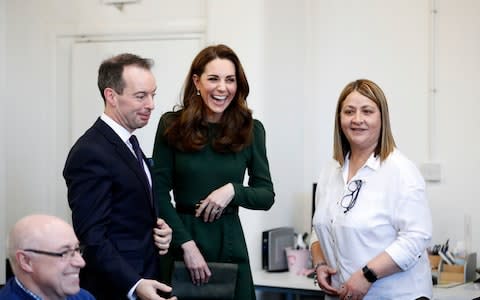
column 112, row 214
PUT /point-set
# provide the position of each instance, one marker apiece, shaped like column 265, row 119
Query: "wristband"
column 369, row 274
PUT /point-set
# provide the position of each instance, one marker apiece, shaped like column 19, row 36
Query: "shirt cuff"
column 404, row 259
column 131, row 293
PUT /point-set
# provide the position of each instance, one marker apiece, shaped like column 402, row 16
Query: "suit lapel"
column 127, row 156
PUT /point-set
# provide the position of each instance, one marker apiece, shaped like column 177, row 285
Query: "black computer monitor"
column 314, row 189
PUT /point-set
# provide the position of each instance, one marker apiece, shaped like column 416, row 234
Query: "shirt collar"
column 372, row 163
column 34, row 296
column 119, row 129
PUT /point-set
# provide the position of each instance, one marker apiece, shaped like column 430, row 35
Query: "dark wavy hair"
column 188, row 130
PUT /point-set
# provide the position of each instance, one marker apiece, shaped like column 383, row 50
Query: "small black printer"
column 274, row 242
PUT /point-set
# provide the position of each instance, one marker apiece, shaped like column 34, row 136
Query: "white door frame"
column 60, row 135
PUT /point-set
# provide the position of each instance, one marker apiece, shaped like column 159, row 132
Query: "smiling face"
column 361, row 122
column 52, row 277
column 132, row 108
column 217, row 86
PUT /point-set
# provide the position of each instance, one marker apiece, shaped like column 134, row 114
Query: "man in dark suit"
column 109, row 189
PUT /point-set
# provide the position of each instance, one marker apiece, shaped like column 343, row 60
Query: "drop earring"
column 198, row 92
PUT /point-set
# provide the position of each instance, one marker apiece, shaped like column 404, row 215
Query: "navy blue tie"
column 138, row 153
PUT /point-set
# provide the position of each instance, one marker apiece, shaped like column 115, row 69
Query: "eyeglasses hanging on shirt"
column 348, row 201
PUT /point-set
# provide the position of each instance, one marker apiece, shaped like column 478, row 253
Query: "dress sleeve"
column 413, row 222
column 163, row 164
column 259, row 193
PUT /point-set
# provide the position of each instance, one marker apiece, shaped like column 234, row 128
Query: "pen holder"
column 458, row 273
column 297, row 260
column 434, row 262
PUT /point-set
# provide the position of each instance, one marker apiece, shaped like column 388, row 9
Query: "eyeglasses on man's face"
column 348, row 201
column 67, row 254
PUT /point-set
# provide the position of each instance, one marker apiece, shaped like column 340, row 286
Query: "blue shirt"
column 14, row 290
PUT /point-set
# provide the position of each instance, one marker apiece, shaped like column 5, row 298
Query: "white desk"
column 286, row 283
column 291, row 285
column 466, row 291
column 283, row 280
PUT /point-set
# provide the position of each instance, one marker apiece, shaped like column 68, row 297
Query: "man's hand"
column 162, row 236
column 147, row 290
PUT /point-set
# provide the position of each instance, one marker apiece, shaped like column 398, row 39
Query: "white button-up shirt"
column 125, row 136
column 390, row 214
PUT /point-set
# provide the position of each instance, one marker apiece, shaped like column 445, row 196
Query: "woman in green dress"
column 201, row 153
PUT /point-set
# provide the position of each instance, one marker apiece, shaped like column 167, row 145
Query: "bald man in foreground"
column 46, row 260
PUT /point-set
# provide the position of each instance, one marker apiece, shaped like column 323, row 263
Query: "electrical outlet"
column 431, row 172
column 120, row 1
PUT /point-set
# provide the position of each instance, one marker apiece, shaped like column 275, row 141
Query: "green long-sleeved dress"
column 193, row 176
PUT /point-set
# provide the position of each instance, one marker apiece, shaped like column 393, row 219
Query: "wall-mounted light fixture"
column 119, row 3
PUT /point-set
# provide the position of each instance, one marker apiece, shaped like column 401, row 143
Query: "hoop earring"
column 198, row 92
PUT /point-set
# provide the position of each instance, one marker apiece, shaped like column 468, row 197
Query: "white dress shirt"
column 125, row 136
column 390, row 214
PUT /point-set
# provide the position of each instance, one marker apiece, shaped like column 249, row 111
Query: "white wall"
column 3, row 125
column 287, row 99
column 298, row 55
column 37, row 121
column 457, row 126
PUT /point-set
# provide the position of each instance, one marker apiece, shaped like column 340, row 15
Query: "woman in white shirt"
column 372, row 222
